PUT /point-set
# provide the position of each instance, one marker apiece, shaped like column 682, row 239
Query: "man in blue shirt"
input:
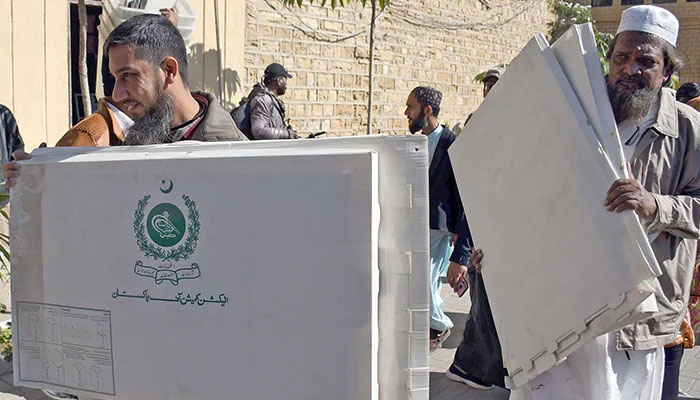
column 450, row 240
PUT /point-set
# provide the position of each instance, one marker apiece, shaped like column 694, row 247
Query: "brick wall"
column 442, row 43
column 688, row 14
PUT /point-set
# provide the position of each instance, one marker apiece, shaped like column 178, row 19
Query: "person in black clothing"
column 478, row 361
column 10, row 136
column 687, row 92
column 11, row 139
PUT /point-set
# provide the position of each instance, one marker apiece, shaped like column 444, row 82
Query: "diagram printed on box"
column 65, row 346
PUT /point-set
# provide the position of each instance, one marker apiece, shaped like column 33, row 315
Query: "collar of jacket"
column 216, row 120
column 259, row 89
column 103, row 108
column 667, row 120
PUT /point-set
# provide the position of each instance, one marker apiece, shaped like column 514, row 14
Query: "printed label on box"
column 65, row 346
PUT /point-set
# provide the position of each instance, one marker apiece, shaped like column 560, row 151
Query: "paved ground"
column 443, row 389
column 440, row 387
column 9, row 392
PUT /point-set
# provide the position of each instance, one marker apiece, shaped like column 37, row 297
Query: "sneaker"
column 457, row 375
column 58, row 395
column 437, row 338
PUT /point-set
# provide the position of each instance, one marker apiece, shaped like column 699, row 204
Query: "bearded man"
column 450, row 240
column 148, row 59
column 661, row 140
column 267, row 110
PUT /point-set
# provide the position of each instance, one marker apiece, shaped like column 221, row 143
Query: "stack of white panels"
column 534, row 164
column 251, row 270
column 114, row 12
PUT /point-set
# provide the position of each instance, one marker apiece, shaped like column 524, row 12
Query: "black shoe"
column 437, row 338
column 457, row 375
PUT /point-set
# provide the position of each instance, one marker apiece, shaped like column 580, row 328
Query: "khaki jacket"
column 217, row 124
column 667, row 162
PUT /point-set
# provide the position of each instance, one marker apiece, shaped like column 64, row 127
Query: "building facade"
column 441, row 43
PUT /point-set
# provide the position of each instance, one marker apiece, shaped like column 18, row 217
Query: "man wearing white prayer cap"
column 661, row 141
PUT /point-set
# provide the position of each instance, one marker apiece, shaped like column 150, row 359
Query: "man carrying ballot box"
column 661, row 141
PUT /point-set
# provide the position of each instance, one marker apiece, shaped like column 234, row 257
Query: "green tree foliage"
column 6, row 342
column 568, row 14
column 603, row 41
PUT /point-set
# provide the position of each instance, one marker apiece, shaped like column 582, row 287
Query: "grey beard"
column 631, row 106
column 154, row 127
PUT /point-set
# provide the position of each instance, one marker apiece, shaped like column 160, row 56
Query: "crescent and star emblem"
column 169, row 188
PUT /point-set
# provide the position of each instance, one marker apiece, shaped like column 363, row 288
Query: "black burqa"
column 479, row 353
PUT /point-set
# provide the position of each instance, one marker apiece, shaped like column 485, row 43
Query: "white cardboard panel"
column 403, row 235
column 535, row 205
column 283, row 267
column 577, row 55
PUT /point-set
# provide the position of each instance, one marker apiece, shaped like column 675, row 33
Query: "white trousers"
column 597, row 371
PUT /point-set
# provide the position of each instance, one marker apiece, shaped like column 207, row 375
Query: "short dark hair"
column 672, row 57
column 436, row 110
column 687, row 92
column 268, row 79
column 153, row 37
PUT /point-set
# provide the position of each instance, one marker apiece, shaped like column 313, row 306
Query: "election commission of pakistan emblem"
column 165, row 235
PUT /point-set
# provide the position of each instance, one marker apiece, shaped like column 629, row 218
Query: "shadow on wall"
column 204, row 75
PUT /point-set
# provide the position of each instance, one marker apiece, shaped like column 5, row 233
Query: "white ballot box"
column 224, row 270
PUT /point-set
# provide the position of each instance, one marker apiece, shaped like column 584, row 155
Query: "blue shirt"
column 433, row 139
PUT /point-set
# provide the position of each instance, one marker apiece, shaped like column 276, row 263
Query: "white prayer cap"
column 650, row 19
